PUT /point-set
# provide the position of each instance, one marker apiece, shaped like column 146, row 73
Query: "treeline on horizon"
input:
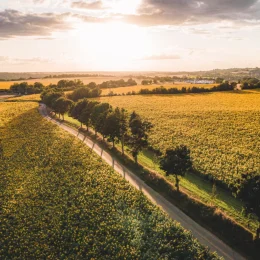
column 94, row 90
column 226, row 86
column 68, row 85
column 71, row 75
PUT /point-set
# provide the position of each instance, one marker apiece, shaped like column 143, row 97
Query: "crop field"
column 222, row 130
column 178, row 85
column 58, row 200
column 45, row 82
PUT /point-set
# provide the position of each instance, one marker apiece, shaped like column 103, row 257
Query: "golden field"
column 85, row 80
column 221, row 129
column 58, row 199
column 178, row 85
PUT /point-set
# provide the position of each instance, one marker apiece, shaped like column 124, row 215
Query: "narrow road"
column 204, row 236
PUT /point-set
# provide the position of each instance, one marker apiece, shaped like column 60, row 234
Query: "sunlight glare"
column 115, row 44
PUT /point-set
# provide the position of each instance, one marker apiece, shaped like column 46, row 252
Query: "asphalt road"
column 204, row 236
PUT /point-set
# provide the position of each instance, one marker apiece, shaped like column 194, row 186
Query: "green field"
column 59, row 201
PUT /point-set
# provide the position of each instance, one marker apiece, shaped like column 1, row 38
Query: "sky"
column 128, row 35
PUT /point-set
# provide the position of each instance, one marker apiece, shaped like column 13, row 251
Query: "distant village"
column 200, row 81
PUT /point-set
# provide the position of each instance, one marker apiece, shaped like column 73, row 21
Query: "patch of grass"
column 201, row 189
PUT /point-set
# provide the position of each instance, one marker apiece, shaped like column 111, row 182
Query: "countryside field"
column 178, row 85
column 45, row 82
column 221, row 129
column 58, row 200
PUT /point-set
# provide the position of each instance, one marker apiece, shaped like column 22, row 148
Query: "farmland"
column 178, row 85
column 221, row 129
column 58, row 200
column 45, row 82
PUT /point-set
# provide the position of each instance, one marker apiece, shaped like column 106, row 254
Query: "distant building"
column 200, row 81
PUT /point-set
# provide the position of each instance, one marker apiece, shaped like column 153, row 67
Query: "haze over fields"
column 106, row 35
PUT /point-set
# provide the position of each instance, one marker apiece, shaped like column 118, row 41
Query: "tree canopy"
column 176, row 162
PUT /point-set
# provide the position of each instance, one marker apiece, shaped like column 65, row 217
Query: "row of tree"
column 118, row 83
column 24, row 88
column 162, row 90
column 57, row 101
column 89, row 91
column 157, row 79
column 113, row 124
column 71, row 75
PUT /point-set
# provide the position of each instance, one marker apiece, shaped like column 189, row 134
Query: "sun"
column 113, row 45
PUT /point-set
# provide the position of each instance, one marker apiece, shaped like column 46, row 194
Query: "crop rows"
column 59, row 201
column 222, row 130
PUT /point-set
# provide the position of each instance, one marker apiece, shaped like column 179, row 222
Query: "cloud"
column 22, row 61
column 14, row 23
column 174, row 12
column 162, row 57
column 96, row 5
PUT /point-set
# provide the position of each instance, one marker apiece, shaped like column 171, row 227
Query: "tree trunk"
column 177, row 183
column 258, row 232
column 123, row 144
column 136, row 159
column 113, row 143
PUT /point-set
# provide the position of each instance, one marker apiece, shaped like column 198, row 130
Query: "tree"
column 138, row 139
column 85, row 114
column 49, row 98
column 112, row 126
column 123, row 126
column 98, row 117
column 176, row 162
column 80, row 93
column 77, row 110
column 62, row 105
column 84, row 92
column 249, row 193
column 92, row 85
column 1, row 150
column 145, row 82
column 96, row 92
column 131, row 82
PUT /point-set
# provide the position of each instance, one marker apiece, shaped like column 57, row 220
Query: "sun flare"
column 117, row 43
